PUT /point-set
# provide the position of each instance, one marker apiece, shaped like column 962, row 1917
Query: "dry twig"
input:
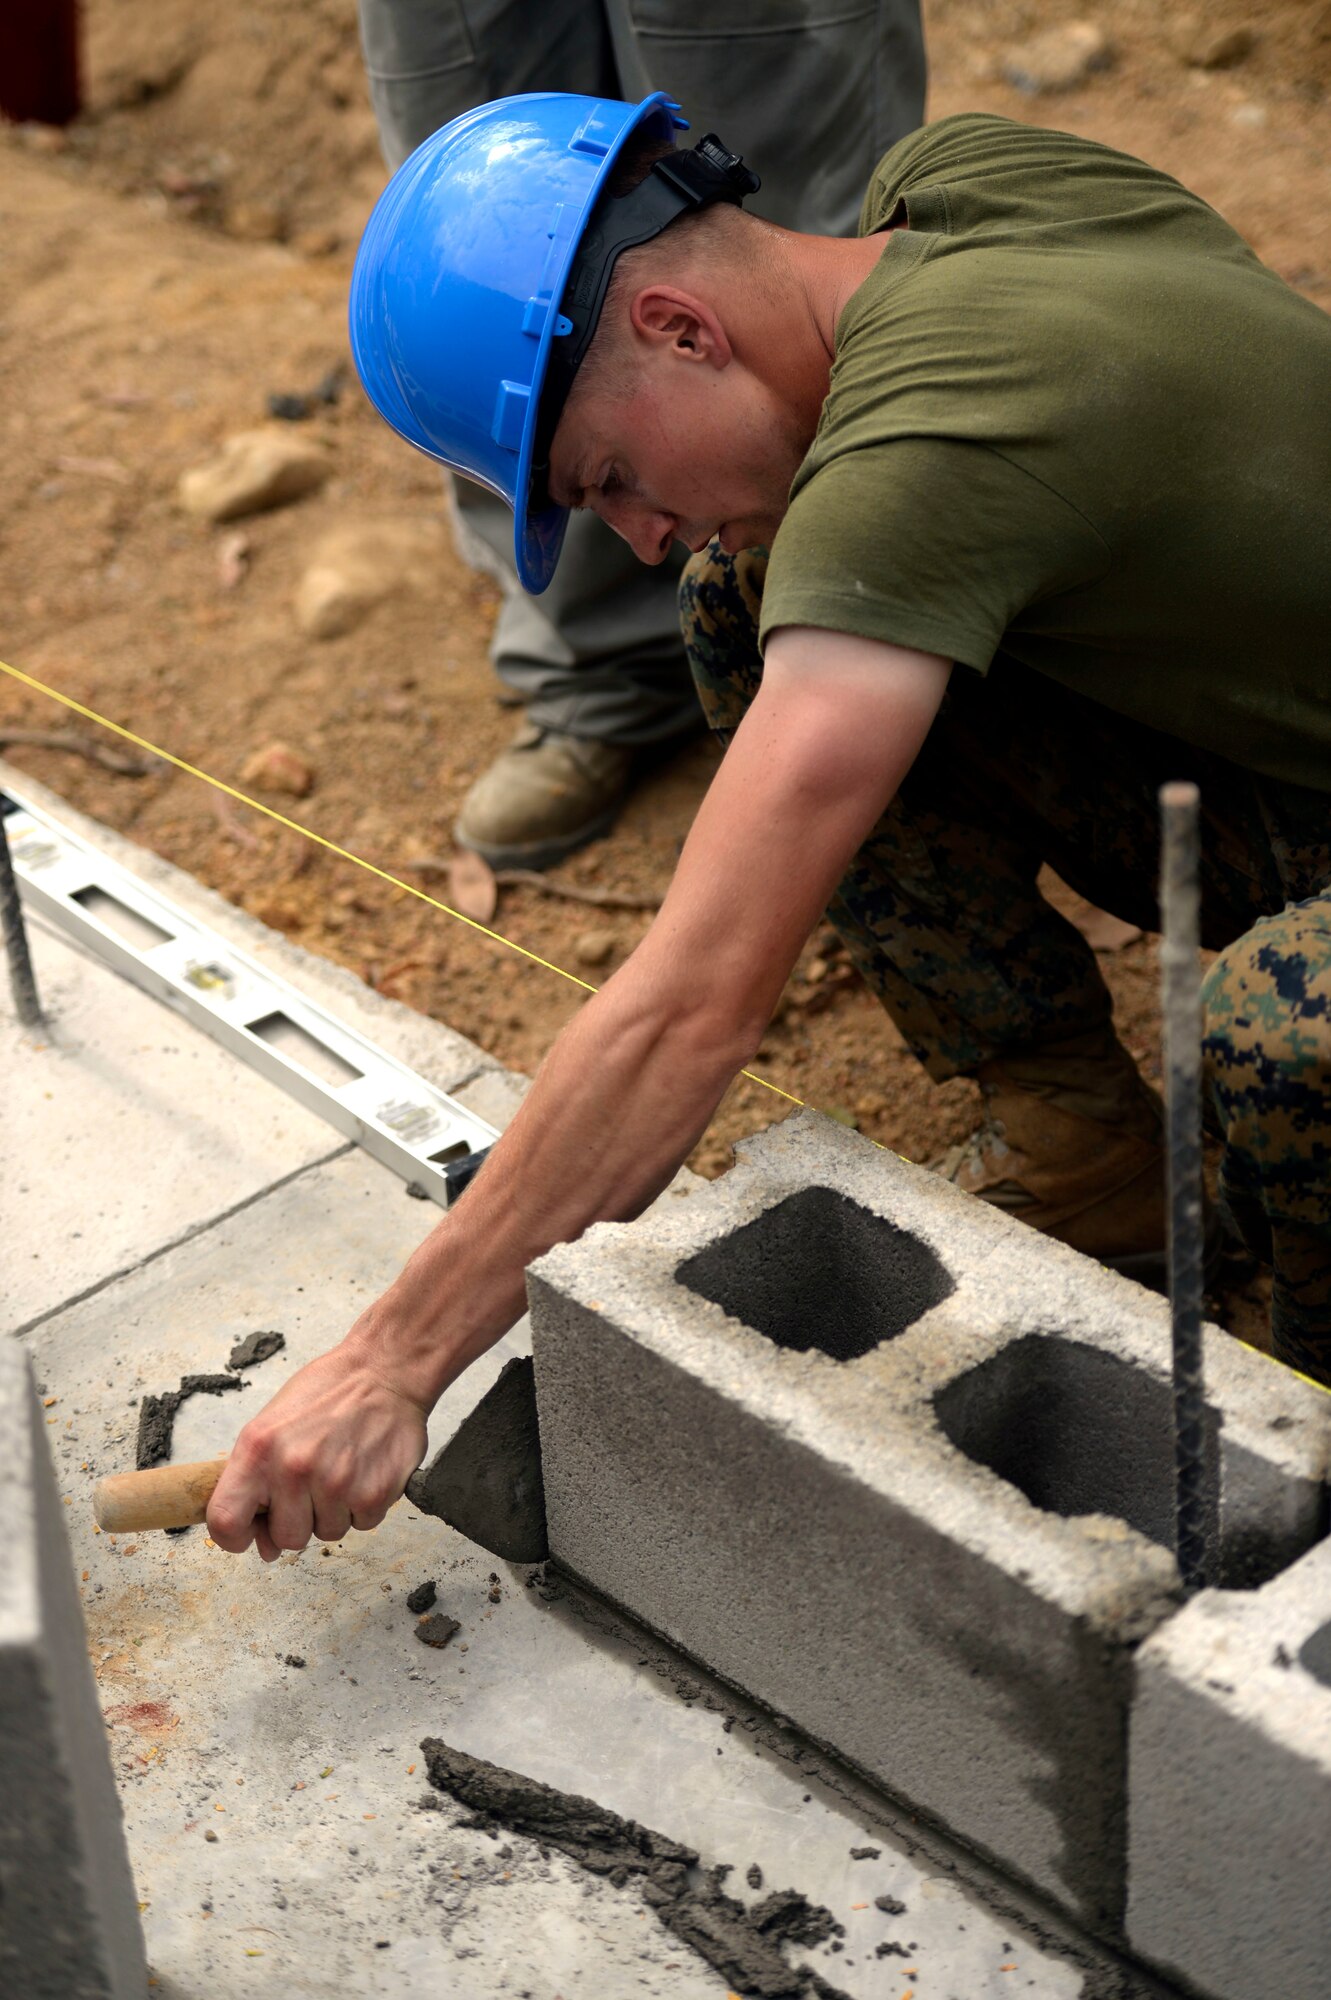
column 547, row 885
column 119, row 761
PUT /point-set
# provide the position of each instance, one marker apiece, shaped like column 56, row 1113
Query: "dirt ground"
column 184, row 250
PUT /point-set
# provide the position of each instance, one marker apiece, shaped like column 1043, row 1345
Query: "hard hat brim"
column 538, row 535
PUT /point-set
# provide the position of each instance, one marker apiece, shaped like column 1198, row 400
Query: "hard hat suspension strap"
column 680, row 183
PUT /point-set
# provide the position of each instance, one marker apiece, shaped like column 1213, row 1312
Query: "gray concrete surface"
column 171, row 1134
column 1231, row 1790
column 69, row 1928
column 938, row 1555
column 324, row 1875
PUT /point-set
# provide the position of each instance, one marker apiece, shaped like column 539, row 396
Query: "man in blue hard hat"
column 819, row 94
column 1047, row 512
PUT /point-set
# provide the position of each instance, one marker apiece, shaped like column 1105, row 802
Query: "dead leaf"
column 472, row 888
column 1101, row 931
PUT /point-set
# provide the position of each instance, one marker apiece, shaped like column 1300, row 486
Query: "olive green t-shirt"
column 1073, row 419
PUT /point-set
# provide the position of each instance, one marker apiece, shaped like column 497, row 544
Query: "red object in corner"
column 39, row 61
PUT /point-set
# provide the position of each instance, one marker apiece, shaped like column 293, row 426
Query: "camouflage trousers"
column 941, row 913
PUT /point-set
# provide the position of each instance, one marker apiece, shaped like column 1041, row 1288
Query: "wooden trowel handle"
column 166, row 1496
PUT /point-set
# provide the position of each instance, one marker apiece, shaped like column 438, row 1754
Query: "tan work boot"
column 544, row 796
column 1072, row 1142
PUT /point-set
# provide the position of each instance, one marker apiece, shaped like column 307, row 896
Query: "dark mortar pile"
column 256, row 1347
column 157, row 1415
column 743, row 1945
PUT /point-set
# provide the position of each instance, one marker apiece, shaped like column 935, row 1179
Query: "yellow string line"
column 321, row 840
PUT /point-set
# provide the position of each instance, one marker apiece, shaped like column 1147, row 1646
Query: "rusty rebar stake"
column 1181, row 1008
column 21, row 975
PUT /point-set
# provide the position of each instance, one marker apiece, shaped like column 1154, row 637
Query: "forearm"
column 618, row 1105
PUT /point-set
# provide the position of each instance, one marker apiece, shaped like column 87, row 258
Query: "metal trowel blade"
column 486, row 1481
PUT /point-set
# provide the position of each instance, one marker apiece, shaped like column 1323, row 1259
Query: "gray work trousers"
column 812, row 92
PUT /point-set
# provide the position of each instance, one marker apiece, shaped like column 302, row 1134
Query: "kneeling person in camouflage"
column 1047, row 520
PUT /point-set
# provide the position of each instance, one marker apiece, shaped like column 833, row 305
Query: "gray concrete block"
column 1230, row 1816
column 70, row 1928
column 901, row 1468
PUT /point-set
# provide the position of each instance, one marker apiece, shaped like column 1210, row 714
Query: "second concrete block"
column 901, row 1468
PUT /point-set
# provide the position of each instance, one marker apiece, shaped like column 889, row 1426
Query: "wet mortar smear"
column 740, row 1944
column 157, row 1415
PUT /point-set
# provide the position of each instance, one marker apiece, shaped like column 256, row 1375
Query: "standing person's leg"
column 943, row 916
column 598, row 655
column 817, row 100
column 812, row 95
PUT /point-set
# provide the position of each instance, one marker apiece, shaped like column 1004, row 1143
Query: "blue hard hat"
column 458, row 280
column 478, row 282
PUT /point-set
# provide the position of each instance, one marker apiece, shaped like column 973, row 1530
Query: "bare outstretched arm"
column 625, row 1092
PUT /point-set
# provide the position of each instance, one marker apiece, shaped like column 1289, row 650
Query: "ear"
column 666, row 317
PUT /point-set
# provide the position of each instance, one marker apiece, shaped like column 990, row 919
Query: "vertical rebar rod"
column 1181, row 1007
column 21, row 976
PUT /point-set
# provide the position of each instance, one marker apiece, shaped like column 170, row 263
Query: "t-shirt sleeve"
column 930, row 543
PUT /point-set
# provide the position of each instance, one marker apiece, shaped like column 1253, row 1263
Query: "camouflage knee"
column 720, row 601
column 1267, row 1044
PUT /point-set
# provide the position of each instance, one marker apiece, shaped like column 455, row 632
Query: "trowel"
column 485, row 1482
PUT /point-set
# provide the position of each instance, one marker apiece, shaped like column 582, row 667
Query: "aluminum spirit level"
column 420, row 1132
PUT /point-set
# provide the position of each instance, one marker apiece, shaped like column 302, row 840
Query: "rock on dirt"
column 594, row 947
column 253, row 471
column 255, row 222
column 1202, row 44
column 278, row 768
column 233, row 559
column 1059, row 59
column 361, row 563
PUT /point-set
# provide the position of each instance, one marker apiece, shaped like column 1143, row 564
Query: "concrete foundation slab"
column 69, row 1927
column 901, row 1468
column 1230, row 1820
column 281, row 1710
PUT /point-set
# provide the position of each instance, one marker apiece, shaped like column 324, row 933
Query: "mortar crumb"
column 437, row 1629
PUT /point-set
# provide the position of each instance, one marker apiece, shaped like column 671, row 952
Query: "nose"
column 649, row 531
